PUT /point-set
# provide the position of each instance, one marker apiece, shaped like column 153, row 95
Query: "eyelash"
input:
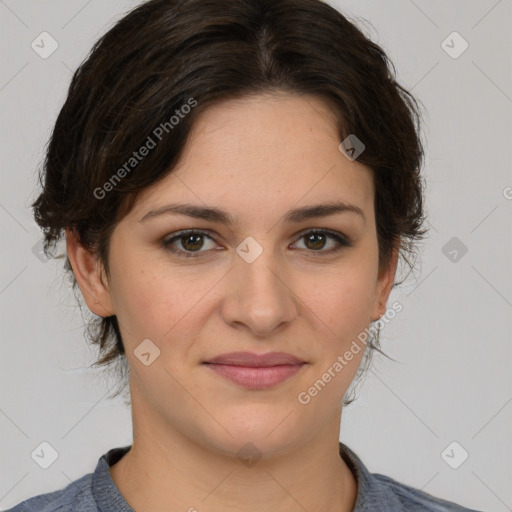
column 334, row 235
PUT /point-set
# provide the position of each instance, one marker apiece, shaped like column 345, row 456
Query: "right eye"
column 191, row 241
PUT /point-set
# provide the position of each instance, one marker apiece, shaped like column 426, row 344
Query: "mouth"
column 256, row 371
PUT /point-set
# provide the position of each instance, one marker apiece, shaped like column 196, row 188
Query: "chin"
column 268, row 434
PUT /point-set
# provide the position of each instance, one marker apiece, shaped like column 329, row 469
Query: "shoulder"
column 380, row 492
column 414, row 500
column 76, row 497
column 91, row 493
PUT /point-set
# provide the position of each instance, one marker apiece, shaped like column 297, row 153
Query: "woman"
column 236, row 181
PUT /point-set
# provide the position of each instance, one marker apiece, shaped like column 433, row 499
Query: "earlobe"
column 385, row 283
column 88, row 272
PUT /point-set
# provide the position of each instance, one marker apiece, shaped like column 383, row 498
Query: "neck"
column 178, row 474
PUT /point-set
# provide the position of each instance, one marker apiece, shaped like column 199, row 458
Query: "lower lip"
column 256, row 378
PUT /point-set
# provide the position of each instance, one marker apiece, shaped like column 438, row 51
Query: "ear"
column 89, row 274
column 385, row 281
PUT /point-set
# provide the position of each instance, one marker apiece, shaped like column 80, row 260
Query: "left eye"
column 193, row 241
column 319, row 238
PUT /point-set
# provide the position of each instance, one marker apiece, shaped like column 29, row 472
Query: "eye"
column 316, row 240
column 192, row 241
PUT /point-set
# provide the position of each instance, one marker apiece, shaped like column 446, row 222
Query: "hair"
column 163, row 55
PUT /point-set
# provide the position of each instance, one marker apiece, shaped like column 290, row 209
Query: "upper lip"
column 256, row 360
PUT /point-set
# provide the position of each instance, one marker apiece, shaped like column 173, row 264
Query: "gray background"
column 452, row 381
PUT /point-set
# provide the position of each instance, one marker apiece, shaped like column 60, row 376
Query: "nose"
column 259, row 295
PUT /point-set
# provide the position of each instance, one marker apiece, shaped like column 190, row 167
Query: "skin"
column 256, row 158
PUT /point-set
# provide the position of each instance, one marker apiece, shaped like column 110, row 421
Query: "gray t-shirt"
column 96, row 492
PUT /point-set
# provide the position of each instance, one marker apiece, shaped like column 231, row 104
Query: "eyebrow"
column 216, row 215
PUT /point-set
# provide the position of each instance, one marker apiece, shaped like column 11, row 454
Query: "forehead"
column 264, row 152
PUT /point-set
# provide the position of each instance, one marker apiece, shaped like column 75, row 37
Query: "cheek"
column 137, row 293
column 155, row 300
column 136, row 298
column 343, row 300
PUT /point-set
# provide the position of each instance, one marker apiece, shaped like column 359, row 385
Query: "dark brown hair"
column 166, row 54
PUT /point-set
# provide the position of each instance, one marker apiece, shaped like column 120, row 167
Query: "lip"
column 255, row 360
column 256, row 371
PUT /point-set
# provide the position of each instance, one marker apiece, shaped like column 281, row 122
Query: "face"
column 265, row 282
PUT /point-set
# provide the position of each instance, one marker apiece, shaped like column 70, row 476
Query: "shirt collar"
column 371, row 493
column 104, row 490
